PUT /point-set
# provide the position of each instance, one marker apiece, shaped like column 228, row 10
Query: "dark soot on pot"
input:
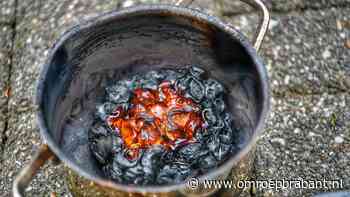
column 162, row 127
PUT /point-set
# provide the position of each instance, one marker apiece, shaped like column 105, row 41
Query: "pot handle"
column 264, row 21
column 28, row 172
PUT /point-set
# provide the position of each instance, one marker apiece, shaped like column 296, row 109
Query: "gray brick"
column 306, row 137
column 305, row 52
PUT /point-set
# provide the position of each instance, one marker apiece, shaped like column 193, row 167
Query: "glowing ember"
column 162, row 116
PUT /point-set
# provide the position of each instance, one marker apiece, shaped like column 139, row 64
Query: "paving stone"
column 307, row 137
column 208, row 6
column 5, row 60
column 288, row 5
column 305, row 53
column 7, row 11
column 229, row 7
column 39, row 23
column 23, row 141
column 214, row 7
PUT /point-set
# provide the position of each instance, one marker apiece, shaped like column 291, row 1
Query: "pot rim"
column 144, row 10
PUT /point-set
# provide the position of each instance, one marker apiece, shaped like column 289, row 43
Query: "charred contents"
column 162, row 127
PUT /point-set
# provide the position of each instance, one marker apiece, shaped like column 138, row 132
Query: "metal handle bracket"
column 263, row 24
column 27, row 173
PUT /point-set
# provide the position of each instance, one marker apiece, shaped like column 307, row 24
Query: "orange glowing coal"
column 162, row 116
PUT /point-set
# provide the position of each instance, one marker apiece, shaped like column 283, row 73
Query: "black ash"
column 211, row 141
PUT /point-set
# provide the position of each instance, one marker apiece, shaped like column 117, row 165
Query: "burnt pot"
column 135, row 40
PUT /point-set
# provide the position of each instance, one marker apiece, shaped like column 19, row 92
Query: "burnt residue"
column 162, row 127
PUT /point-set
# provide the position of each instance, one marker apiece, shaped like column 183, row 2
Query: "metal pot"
column 135, row 39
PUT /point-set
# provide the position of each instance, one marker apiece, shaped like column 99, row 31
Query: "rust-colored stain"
column 347, row 43
column 343, row 24
column 162, row 116
column 7, row 92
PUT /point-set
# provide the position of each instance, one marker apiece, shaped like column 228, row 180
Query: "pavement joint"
column 6, row 23
column 13, row 25
column 291, row 93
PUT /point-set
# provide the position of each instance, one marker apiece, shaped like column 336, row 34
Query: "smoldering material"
column 156, row 165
